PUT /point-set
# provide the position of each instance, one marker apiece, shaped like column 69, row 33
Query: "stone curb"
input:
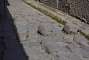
column 55, row 15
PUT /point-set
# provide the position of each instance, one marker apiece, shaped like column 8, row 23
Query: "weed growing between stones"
column 86, row 36
column 54, row 17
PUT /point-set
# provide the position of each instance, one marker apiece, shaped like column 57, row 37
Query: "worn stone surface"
column 56, row 45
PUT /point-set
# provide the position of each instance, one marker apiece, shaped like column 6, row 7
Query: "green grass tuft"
column 85, row 35
column 54, row 17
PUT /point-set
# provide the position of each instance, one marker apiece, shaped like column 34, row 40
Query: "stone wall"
column 77, row 8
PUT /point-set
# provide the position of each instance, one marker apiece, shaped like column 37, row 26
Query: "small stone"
column 44, row 29
column 70, row 28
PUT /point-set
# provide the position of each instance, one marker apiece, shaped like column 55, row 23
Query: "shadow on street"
column 10, row 46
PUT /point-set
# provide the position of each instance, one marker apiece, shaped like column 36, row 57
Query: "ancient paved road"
column 50, row 43
column 10, row 46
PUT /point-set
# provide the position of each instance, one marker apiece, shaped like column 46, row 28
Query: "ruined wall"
column 77, row 8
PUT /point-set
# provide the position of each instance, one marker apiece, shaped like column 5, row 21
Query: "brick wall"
column 77, row 8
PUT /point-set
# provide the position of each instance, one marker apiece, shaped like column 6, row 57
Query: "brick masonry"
column 77, row 8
